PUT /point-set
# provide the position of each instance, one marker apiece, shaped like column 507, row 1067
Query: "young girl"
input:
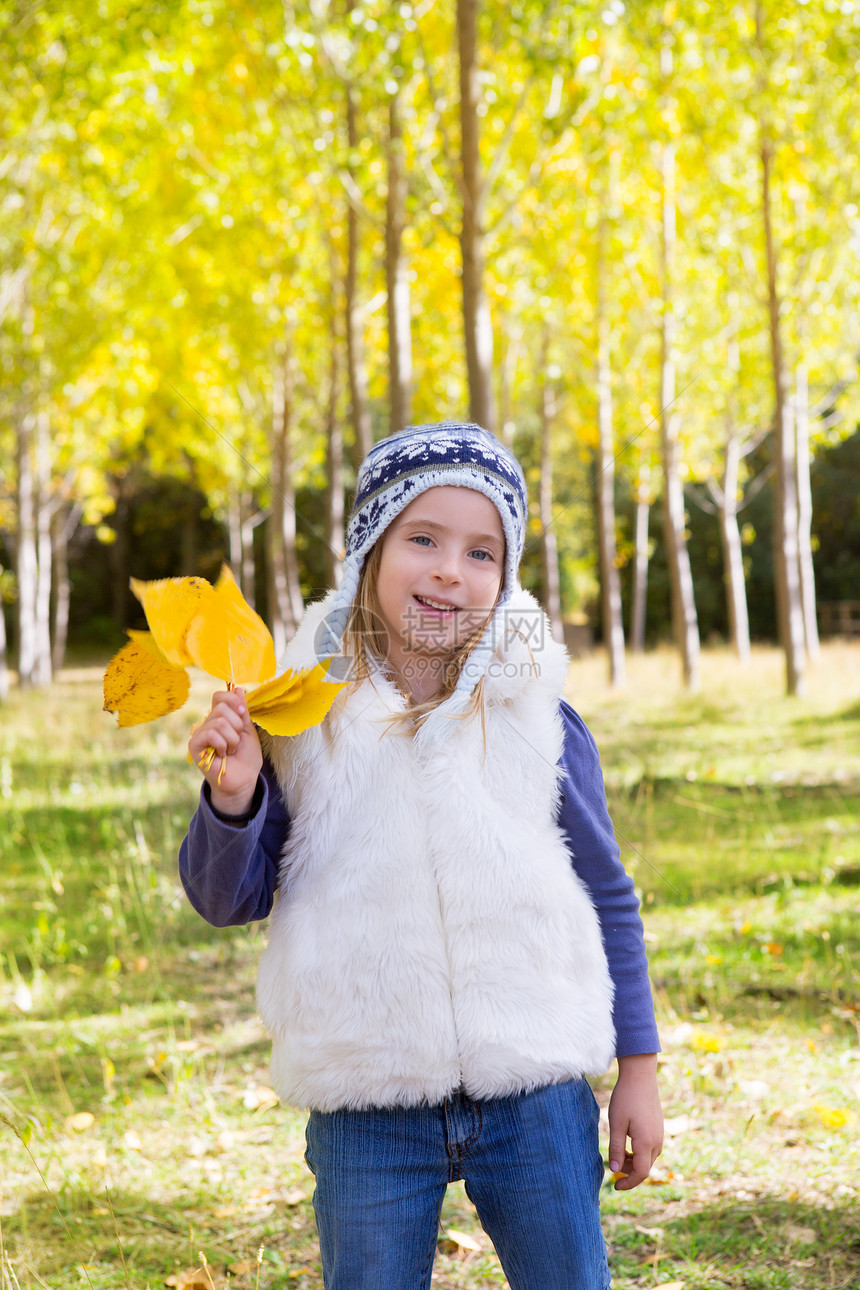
column 454, row 942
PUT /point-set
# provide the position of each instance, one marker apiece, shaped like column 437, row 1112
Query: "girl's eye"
column 421, row 539
column 482, row 555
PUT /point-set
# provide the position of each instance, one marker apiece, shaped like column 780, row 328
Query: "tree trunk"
column 549, row 546
column 43, row 670
column 335, row 498
column 804, row 514
column 640, row 559
column 507, row 374
column 26, row 558
column 4, row 661
column 610, row 582
column 285, row 600
column 63, row 527
column 476, row 310
column 789, row 611
column 234, row 535
column 361, row 426
column 397, row 278
column 684, row 620
column 118, row 554
column 733, row 564
column 242, row 518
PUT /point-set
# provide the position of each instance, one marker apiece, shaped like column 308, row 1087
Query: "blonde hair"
column 365, row 642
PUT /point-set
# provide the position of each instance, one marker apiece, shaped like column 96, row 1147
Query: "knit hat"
column 396, row 471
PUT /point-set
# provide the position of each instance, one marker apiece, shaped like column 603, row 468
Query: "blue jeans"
column 531, row 1166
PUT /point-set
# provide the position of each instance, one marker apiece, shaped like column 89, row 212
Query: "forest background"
column 239, row 242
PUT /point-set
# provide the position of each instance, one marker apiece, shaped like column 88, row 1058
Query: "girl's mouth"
column 436, row 606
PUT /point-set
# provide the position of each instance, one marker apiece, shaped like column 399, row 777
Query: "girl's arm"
column 584, row 817
column 229, row 859
column 634, row 1109
column 230, row 869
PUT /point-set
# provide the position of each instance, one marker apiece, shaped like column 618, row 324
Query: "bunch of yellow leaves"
column 215, row 629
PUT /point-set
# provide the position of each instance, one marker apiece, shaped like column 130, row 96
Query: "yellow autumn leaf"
column 293, row 702
column 832, row 1117
column 227, row 639
column 140, row 685
column 170, row 605
column 80, row 1122
column 706, row 1042
column 462, row 1240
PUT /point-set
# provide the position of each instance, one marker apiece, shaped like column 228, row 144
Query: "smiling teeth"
column 434, row 604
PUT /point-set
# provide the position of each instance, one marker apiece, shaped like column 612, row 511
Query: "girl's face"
column 439, row 575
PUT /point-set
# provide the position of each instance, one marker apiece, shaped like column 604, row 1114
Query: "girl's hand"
column 635, row 1113
column 229, row 730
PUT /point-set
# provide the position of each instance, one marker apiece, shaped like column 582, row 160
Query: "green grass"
column 137, row 1133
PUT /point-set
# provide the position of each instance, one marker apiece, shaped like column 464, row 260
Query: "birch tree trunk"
column 4, row 659
column 733, row 564
column 65, row 521
column 727, row 501
column 285, row 600
column 396, row 272
column 640, row 559
column 335, row 499
column 789, row 611
column 804, row 514
column 234, row 536
column 26, row 558
column 549, row 545
column 118, row 554
column 476, row 310
column 252, row 518
column 507, row 374
column 360, row 409
column 242, row 519
column 610, row 582
column 684, row 620
column 42, row 444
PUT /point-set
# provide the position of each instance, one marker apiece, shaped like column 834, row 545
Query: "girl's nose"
column 447, row 567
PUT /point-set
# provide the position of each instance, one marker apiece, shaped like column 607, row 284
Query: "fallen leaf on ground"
column 462, row 1240
column 194, row 1279
column 833, row 1117
column 259, row 1096
column 670, row 1285
column 801, row 1235
column 80, row 1122
column 678, row 1124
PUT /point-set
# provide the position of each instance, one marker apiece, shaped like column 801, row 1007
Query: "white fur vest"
column 430, row 931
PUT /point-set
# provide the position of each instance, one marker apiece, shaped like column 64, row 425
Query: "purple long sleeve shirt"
column 230, row 874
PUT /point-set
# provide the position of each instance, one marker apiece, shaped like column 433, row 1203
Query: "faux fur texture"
column 430, row 931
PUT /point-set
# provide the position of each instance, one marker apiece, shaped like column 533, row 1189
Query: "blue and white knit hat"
column 396, row 471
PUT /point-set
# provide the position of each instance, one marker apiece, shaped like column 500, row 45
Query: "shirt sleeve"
column 230, row 871
column 595, row 856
